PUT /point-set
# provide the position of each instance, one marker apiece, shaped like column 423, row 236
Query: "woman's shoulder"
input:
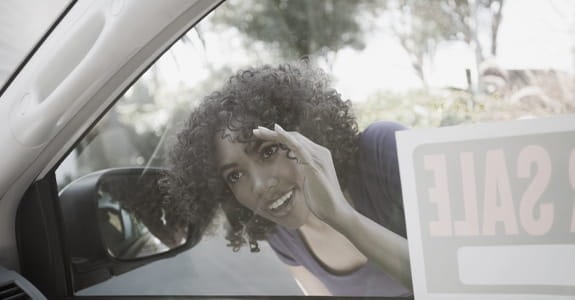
column 380, row 133
column 379, row 169
column 384, row 126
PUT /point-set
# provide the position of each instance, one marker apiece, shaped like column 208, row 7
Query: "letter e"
column 439, row 195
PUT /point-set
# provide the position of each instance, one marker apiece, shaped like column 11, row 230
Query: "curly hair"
column 296, row 96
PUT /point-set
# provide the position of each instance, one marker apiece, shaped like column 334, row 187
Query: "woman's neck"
column 313, row 223
column 332, row 250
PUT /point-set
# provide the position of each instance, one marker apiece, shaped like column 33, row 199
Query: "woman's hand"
column 326, row 200
column 322, row 191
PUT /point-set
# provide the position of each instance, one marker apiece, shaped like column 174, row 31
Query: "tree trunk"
column 495, row 28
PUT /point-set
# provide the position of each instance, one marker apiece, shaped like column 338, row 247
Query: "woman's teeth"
column 281, row 200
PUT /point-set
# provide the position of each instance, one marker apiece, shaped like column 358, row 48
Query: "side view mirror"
column 113, row 222
column 131, row 221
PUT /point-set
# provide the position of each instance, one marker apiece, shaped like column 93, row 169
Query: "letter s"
column 528, row 157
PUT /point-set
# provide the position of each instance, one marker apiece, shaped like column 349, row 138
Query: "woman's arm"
column 326, row 200
column 307, row 282
column 378, row 243
column 379, row 167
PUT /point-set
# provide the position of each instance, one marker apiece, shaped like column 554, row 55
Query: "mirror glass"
column 131, row 221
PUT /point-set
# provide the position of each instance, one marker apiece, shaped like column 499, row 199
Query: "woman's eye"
column 233, row 177
column 269, row 151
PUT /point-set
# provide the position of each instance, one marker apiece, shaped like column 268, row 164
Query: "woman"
column 278, row 150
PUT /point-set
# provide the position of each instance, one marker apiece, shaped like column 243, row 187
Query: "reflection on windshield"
column 419, row 63
column 382, row 58
column 22, row 25
column 131, row 222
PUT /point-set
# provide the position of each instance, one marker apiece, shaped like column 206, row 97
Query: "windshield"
column 401, row 63
column 22, row 25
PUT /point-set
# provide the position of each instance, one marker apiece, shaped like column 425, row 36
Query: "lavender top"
column 376, row 191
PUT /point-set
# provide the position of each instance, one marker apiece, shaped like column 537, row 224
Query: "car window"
column 424, row 64
column 22, row 25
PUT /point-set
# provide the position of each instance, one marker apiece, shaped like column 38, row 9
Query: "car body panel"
column 58, row 94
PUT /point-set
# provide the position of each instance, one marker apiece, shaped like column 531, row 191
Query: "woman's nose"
column 262, row 182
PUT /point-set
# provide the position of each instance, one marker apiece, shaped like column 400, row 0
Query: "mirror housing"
column 112, row 199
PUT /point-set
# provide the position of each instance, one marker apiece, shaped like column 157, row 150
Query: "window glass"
column 420, row 63
column 22, row 24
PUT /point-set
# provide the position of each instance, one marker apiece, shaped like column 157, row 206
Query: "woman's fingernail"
column 261, row 129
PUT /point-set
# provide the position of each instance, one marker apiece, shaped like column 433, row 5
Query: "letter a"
column 497, row 186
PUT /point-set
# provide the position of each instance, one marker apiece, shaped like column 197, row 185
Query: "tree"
column 298, row 28
column 496, row 9
column 421, row 25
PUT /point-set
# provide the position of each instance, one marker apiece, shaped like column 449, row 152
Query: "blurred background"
column 421, row 63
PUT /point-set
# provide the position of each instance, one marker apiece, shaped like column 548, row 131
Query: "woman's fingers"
column 301, row 146
column 298, row 137
column 278, row 135
column 265, row 134
column 296, row 143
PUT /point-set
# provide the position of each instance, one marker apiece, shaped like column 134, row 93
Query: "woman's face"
column 263, row 179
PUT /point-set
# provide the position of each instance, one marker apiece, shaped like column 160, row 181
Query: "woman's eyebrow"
column 227, row 166
column 253, row 146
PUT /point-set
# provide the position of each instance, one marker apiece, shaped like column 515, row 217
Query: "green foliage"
column 548, row 94
column 297, row 28
column 417, row 108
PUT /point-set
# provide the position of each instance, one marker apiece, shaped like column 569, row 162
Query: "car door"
column 86, row 59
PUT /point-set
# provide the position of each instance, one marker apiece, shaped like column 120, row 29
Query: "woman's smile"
column 283, row 205
column 282, row 200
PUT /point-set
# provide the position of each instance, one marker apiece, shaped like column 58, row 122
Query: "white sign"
column 490, row 209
